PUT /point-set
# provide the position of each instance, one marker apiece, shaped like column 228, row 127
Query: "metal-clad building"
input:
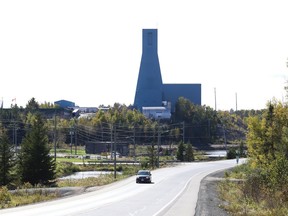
column 150, row 91
column 65, row 103
column 98, row 147
column 156, row 112
column 192, row 92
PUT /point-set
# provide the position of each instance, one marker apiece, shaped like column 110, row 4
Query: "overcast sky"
column 89, row 52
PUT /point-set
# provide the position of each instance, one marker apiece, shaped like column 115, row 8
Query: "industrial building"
column 64, row 103
column 150, row 90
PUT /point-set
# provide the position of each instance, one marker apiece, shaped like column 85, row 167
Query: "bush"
column 5, row 197
column 279, row 173
column 231, row 154
column 254, row 185
column 144, row 163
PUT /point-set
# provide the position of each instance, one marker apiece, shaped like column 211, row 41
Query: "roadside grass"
column 25, row 196
column 200, row 156
column 103, row 179
column 91, row 181
column 80, row 151
column 239, row 198
column 237, row 204
column 67, row 159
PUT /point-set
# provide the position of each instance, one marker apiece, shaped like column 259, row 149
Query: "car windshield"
column 143, row 173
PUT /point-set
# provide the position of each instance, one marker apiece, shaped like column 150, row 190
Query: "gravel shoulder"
column 208, row 201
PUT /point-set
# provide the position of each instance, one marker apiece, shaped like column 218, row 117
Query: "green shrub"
column 279, row 173
column 144, row 163
column 231, row 154
column 5, row 197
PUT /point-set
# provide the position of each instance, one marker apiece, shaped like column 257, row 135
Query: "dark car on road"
column 144, row 176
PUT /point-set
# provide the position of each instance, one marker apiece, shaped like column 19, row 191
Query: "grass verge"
column 29, row 195
column 241, row 196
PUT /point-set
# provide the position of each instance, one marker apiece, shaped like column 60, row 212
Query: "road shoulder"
column 208, row 203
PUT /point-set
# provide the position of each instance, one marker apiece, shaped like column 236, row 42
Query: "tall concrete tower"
column 150, row 91
column 149, row 85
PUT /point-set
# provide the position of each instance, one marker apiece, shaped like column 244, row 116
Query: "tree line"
column 190, row 125
column 267, row 143
column 30, row 163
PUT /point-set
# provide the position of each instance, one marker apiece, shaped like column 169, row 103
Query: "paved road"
column 174, row 192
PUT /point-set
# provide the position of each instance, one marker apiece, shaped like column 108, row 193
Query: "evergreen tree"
column 32, row 105
column 189, row 156
column 180, row 151
column 35, row 164
column 6, row 159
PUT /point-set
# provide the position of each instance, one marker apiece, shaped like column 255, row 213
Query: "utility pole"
column 215, row 99
column 71, row 138
column 209, row 125
column 183, row 131
column 55, row 137
column 134, row 144
column 224, row 134
column 111, row 141
column 15, row 142
column 115, row 135
column 158, row 146
column 236, row 100
column 76, row 141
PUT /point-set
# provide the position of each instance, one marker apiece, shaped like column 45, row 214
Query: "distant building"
column 150, row 91
column 98, row 147
column 64, row 103
column 156, row 112
column 104, row 109
column 82, row 112
column 192, row 92
column 88, row 109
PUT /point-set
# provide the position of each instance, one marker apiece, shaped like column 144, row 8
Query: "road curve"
column 173, row 192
